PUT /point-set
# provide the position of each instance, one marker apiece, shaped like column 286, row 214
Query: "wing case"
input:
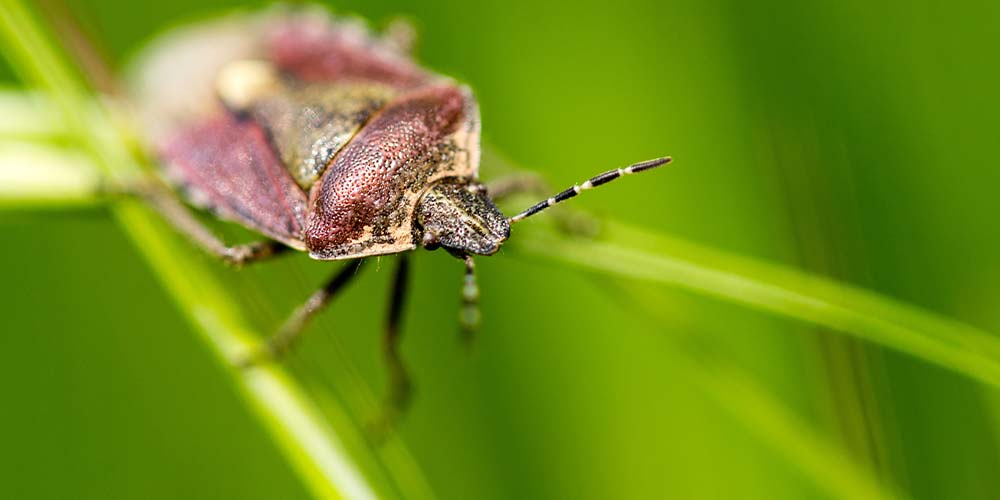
column 365, row 202
column 335, row 158
column 228, row 166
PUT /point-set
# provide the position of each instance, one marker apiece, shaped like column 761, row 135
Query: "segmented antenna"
column 593, row 182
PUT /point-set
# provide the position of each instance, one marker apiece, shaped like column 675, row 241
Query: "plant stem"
column 57, row 178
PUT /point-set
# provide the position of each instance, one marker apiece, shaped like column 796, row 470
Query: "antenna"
column 593, row 182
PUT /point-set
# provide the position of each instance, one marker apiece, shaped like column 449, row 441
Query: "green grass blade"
column 763, row 415
column 778, row 290
column 816, row 456
column 316, row 451
column 773, row 288
column 28, row 117
column 45, row 177
column 642, row 255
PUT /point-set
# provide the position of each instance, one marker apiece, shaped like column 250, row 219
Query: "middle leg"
column 400, row 389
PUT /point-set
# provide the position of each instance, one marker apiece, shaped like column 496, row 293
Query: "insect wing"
column 228, row 166
column 310, row 124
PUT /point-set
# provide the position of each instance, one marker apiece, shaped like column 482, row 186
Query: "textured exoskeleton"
column 329, row 139
column 326, row 140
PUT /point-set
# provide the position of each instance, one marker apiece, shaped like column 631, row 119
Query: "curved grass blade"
column 764, row 416
column 45, row 177
column 28, row 117
column 784, row 292
column 778, row 290
column 769, row 287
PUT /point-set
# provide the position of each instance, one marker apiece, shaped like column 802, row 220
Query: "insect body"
column 327, row 139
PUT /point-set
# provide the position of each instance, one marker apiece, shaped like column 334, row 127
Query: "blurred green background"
column 853, row 140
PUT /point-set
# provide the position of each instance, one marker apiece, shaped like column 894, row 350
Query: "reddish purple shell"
column 333, row 156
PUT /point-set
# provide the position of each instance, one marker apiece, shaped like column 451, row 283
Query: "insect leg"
column 401, row 35
column 514, row 184
column 469, row 316
column 400, row 386
column 289, row 332
column 175, row 213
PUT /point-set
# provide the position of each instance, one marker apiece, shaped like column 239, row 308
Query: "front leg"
column 514, row 184
column 469, row 316
column 292, row 328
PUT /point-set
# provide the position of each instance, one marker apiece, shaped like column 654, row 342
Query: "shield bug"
column 326, row 138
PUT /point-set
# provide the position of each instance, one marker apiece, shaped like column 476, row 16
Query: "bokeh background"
column 851, row 139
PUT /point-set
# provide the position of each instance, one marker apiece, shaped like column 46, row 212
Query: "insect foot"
column 239, row 255
column 381, row 428
column 256, row 357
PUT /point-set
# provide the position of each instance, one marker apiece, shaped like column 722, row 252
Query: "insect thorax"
column 308, row 123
